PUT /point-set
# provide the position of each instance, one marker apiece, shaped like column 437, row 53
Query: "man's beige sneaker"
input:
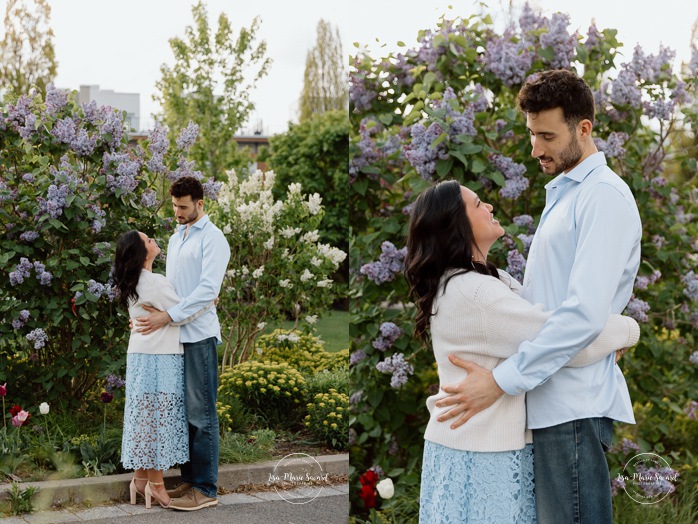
column 192, row 500
column 179, row 490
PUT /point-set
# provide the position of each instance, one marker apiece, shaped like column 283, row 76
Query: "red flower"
column 3, row 390
column 370, row 478
column 14, row 411
column 107, row 397
column 368, row 488
column 368, row 494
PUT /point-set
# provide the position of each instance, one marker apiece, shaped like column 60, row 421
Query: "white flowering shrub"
column 277, row 266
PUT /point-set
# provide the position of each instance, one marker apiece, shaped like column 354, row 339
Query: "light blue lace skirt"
column 468, row 487
column 156, row 435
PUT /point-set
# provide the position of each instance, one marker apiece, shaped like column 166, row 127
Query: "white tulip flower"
column 385, row 488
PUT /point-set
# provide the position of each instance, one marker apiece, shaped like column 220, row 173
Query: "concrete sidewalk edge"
column 95, row 490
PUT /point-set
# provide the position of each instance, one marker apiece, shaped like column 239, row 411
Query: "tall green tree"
column 210, row 84
column 27, row 57
column 325, row 81
column 314, row 153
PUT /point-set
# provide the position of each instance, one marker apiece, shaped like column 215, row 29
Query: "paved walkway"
column 328, row 506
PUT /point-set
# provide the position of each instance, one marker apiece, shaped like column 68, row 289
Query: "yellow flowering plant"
column 328, row 418
column 272, row 390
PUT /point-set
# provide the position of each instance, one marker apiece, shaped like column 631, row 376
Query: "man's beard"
column 569, row 157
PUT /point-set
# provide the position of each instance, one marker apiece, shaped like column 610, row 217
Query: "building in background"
column 129, row 102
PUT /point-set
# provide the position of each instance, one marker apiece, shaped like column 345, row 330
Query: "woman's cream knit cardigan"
column 482, row 319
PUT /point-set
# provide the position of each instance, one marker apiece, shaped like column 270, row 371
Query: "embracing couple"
column 529, row 382
column 172, row 361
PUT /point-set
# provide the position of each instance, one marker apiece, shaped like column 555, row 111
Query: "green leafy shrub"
column 272, row 390
column 337, row 378
column 328, row 418
column 302, row 351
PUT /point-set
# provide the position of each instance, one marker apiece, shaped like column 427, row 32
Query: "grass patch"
column 237, row 448
column 678, row 510
column 332, row 328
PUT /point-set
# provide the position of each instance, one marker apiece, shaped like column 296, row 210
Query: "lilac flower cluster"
column 613, row 147
column 559, row 39
column 420, row 152
column 644, row 281
column 211, row 188
column 427, row 53
column 516, row 263
column 359, row 94
column 625, row 91
column 114, row 382
column 690, row 280
column 158, row 145
column 649, row 68
column 367, row 147
column 526, row 240
column 356, row 357
column 400, row 369
column 18, row 112
column 38, row 337
column 22, row 271
column 627, row 445
column 83, row 143
column 658, row 241
column 693, row 64
column 515, row 183
column 98, row 222
column 593, row 37
column 401, row 71
column 126, row 168
column 525, row 221
column 184, row 168
column 508, row 60
column 29, row 236
column 389, row 334
column 656, row 481
column 460, row 123
column 691, row 410
column 149, row 198
column 91, row 111
column 390, row 262
column 693, row 359
column 529, row 20
column 95, row 288
column 112, row 129
column 56, row 99
column 19, row 322
column 637, row 309
column 617, row 484
column 187, row 136
column 499, row 126
column 44, row 277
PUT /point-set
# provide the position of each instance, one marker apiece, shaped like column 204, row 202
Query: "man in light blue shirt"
column 582, row 266
column 197, row 258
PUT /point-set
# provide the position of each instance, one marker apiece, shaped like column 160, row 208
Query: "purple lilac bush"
column 70, row 185
column 446, row 107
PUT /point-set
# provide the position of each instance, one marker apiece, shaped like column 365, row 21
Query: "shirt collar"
column 579, row 172
column 199, row 224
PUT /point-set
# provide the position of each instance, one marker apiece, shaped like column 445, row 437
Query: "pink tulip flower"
column 16, row 422
column 3, row 390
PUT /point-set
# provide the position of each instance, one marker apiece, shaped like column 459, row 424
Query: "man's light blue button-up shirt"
column 582, row 266
column 196, row 266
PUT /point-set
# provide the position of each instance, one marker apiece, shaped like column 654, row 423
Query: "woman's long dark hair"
column 440, row 238
column 128, row 263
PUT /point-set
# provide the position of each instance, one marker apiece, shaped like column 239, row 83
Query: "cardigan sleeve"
column 164, row 297
column 508, row 320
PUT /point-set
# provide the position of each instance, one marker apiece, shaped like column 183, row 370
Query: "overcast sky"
column 121, row 45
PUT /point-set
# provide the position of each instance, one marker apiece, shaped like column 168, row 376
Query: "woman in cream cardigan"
column 155, row 435
column 482, row 471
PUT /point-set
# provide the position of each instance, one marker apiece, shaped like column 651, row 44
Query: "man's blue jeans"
column 201, row 388
column 573, row 485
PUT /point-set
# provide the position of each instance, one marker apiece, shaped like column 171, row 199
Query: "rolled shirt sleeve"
column 606, row 229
